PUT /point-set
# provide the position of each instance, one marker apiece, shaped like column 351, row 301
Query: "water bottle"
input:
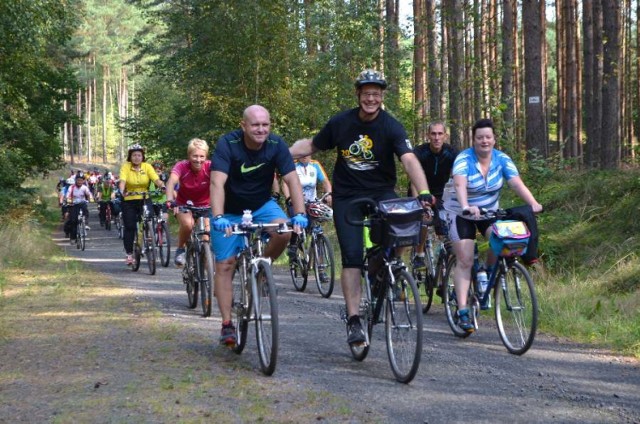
column 483, row 280
column 247, row 218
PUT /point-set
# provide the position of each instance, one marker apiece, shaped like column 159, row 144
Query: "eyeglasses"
column 374, row 95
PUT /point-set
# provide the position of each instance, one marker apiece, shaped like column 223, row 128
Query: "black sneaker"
column 292, row 251
column 228, row 335
column 355, row 333
column 418, row 262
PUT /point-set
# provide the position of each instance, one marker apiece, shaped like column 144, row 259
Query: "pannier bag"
column 397, row 222
column 509, row 238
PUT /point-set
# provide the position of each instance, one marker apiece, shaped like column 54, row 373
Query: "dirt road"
column 459, row 380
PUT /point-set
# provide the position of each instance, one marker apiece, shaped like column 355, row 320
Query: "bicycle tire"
column 360, row 352
column 120, row 226
column 137, row 250
column 241, row 305
column 188, row 277
column 299, row 268
column 266, row 312
column 516, row 309
column 206, row 271
column 83, row 235
column 163, row 242
column 107, row 218
column 150, row 247
column 403, row 327
column 322, row 249
column 450, row 301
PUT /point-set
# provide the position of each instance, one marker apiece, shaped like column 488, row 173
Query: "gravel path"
column 474, row 379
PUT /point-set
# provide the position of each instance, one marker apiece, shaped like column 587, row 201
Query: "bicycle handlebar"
column 492, row 213
column 281, row 227
column 142, row 193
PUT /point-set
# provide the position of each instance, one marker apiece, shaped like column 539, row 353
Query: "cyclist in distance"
column 242, row 170
column 194, row 176
column 78, row 195
column 436, row 158
column 366, row 140
column 104, row 194
column 310, row 172
column 135, row 175
column 479, row 173
column 159, row 199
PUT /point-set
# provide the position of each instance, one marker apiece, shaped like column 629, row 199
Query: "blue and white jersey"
column 481, row 192
column 310, row 174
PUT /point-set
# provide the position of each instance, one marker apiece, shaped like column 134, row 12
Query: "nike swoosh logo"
column 245, row 169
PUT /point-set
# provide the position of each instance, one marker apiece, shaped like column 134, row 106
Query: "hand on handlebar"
column 301, row 221
column 427, row 199
column 222, row 224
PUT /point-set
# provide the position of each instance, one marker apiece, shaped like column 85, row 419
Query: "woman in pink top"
column 193, row 176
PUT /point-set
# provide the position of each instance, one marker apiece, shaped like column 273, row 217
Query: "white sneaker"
column 180, row 258
column 86, row 227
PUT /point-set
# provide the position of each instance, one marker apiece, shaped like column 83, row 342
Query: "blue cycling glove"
column 221, row 223
column 301, row 220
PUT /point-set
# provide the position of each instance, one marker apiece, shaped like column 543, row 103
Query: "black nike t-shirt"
column 365, row 151
column 250, row 172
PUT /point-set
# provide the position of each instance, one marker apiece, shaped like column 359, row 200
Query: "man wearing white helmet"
column 366, row 139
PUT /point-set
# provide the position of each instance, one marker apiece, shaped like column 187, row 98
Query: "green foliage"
column 33, row 82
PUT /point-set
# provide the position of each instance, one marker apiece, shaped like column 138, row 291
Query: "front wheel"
column 516, row 309
column 120, row 226
column 107, row 218
column 137, row 249
column 450, row 301
column 323, row 265
column 164, row 243
column 266, row 313
column 149, row 247
column 205, row 275
column 298, row 268
column 403, row 327
column 241, row 304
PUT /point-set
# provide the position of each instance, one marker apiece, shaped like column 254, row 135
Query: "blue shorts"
column 226, row 247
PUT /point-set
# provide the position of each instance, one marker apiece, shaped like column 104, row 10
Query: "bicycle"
column 436, row 255
column 392, row 298
column 254, row 292
column 144, row 239
column 199, row 269
column 514, row 295
column 81, row 232
column 107, row 217
column 163, row 237
column 313, row 251
column 120, row 225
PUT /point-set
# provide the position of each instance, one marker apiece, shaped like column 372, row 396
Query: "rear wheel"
column 163, row 242
column 107, row 218
column 241, row 305
column 450, row 302
column 403, row 327
column 137, row 249
column 266, row 304
column 323, row 265
column 360, row 352
column 188, row 276
column 516, row 309
column 205, row 275
column 298, row 268
column 150, row 247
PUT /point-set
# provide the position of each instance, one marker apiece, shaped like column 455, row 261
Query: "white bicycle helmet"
column 319, row 211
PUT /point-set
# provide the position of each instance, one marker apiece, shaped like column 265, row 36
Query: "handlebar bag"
column 397, row 222
column 509, row 238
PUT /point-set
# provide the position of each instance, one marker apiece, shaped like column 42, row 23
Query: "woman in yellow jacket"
column 135, row 175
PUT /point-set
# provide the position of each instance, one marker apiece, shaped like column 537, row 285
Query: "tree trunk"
column 508, row 68
column 105, row 75
column 536, row 125
column 610, row 138
column 434, row 67
column 420, row 107
column 455, row 24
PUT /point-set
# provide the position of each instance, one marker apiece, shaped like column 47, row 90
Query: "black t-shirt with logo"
column 250, row 172
column 366, row 151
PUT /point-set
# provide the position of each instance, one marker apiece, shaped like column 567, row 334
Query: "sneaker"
column 292, row 251
column 180, row 257
column 355, row 333
column 228, row 334
column 129, row 260
column 86, row 227
column 464, row 322
column 324, row 278
column 418, row 262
